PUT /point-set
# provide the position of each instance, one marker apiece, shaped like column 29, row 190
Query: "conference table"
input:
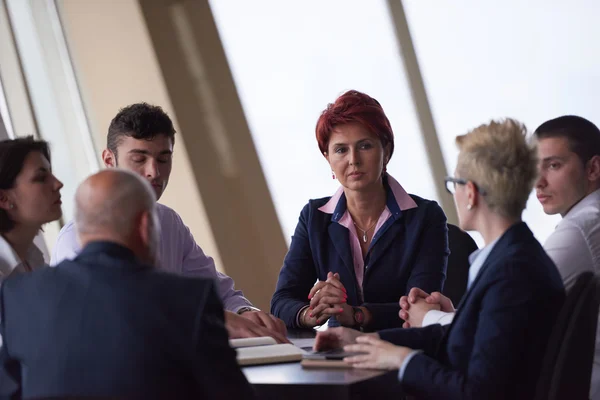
column 290, row 381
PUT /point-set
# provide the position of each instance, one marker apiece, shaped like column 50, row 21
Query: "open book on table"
column 264, row 350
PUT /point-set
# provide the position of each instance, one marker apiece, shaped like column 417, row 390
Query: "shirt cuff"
column 433, row 317
column 405, row 363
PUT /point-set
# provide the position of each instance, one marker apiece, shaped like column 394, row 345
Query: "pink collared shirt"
column 404, row 201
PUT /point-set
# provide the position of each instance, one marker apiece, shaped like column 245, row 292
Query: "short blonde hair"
column 501, row 161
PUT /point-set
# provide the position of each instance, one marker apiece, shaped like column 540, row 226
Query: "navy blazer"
column 409, row 250
column 495, row 346
column 105, row 325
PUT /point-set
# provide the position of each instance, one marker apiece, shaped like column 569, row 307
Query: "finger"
column 444, row 302
column 368, row 365
column 358, row 359
column 406, row 325
column 265, row 320
column 416, row 293
column 403, row 315
column 327, row 340
column 332, row 300
column 328, row 291
column 327, row 313
column 324, row 311
column 316, row 288
column 275, row 335
column 404, row 302
column 434, row 298
column 281, row 328
column 369, row 340
column 336, row 282
column 359, row 348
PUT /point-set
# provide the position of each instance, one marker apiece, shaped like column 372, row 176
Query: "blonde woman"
column 495, row 345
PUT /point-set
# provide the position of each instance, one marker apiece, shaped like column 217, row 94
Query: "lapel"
column 390, row 230
column 338, row 235
column 383, row 239
column 517, row 232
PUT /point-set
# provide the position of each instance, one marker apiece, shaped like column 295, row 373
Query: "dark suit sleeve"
column 10, row 373
column 215, row 365
column 428, row 271
column 512, row 317
column 427, row 339
column 297, row 276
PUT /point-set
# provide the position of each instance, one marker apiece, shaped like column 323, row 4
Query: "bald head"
column 113, row 205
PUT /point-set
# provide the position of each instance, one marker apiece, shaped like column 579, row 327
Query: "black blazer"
column 105, row 325
column 409, row 250
column 495, row 345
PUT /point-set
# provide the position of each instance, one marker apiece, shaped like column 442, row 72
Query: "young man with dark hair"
column 569, row 185
column 140, row 139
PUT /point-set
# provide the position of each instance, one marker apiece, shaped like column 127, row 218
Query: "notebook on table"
column 264, row 350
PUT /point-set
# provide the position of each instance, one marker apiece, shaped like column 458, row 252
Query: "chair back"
column 457, row 274
column 567, row 366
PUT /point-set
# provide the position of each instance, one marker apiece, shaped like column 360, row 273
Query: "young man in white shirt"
column 140, row 139
column 569, row 185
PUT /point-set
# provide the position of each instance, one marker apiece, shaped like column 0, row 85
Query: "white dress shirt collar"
column 591, row 199
column 10, row 261
column 477, row 259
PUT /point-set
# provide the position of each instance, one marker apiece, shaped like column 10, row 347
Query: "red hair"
column 354, row 107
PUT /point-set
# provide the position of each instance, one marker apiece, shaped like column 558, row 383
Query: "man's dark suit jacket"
column 494, row 347
column 409, row 250
column 105, row 325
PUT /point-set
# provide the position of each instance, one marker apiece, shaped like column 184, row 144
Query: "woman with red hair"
column 369, row 243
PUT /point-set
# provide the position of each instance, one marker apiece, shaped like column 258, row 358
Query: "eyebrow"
column 148, row 153
column 553, row 158
column 360, row 141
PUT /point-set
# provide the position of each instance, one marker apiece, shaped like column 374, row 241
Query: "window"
column 483, row 60
column 289, row 60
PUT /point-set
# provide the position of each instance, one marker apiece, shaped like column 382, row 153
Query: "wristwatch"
column 245, row 309
column 359, row 317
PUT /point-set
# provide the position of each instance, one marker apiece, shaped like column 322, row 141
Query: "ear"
column 142, row 226
column 109, row 158
column 386, row 154
column 593, row 169
column 4, row 200
column 472, row 194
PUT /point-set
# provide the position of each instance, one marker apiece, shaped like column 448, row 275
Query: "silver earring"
column 469, row 207
column 11, row 206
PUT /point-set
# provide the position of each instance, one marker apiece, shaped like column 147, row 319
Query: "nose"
column 541, row 181
column 354, row 157
column 57, row 184
column 151, row 169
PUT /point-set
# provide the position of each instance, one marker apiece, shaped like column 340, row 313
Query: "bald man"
column 107, row 323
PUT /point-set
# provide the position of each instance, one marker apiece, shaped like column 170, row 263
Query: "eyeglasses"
column 452, row 182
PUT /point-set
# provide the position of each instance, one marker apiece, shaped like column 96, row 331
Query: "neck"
column 366, row 206
column 589, row 190
column 493, row 226
column 135, row 246
column 21, row 238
